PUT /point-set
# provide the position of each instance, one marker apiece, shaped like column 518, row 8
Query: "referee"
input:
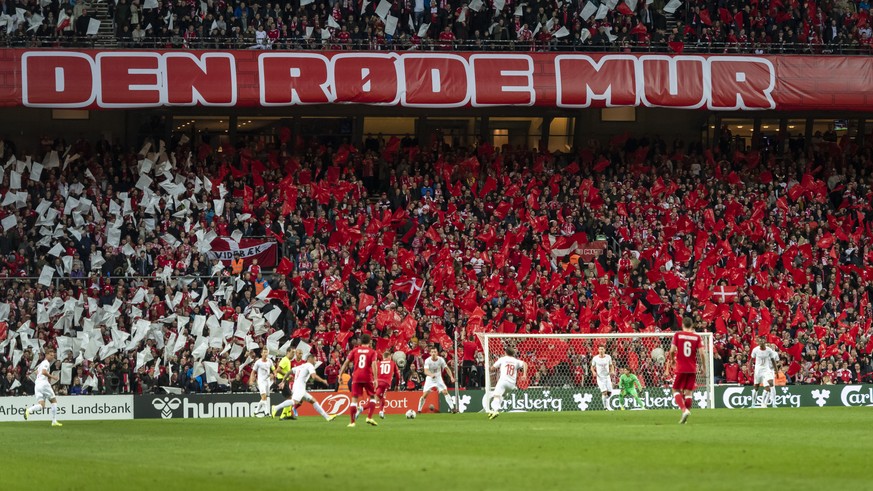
column 282, row 374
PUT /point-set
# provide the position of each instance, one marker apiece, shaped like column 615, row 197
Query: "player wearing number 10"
column 686, row 346
column 364, row 360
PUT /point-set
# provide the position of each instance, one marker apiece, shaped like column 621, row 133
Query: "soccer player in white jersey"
column 603, row 369
column 508, row 366
column 433, row 371
column 302, row 374
column 43, row 388
column 766, row 366
column 262, row 372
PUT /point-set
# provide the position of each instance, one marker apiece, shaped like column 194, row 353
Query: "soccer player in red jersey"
column 363, row 359
column 686, row 346
column 387, row 371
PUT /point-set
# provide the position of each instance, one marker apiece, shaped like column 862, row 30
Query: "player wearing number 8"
column 686, row 346
column 364, row 360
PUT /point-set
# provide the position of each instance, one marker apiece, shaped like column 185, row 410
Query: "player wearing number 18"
column 686, row 346
column 364, row 360
column 508, row 367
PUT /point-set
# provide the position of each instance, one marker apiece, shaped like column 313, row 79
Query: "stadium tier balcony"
column 745, row 26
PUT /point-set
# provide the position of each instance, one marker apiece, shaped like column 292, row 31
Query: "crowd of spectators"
column 421, row 244
column 747, row 26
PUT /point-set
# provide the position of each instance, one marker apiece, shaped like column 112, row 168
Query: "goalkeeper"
column 628, row 383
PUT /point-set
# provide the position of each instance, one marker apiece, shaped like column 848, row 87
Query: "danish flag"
column 725, row 293
column 410, row 285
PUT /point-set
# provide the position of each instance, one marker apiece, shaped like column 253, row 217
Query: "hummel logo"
column 166, row 406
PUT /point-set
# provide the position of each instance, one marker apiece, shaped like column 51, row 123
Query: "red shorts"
column 684, row 381
column 358, row 389
column 381, row 389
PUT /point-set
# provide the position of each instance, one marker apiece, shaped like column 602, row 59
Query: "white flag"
column 391, row 25
column 672, row 6
column 588, row 10
column 93, row 27
column 383, row 8
column 476, row 5
column 601, row 12
column 562, row 32
column 9, row 222
column 45, row 277
column 422, row 30
column 331, row 22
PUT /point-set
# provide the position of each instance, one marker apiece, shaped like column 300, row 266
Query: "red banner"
column 265, row 251
column 395, row 402
column 133, row 79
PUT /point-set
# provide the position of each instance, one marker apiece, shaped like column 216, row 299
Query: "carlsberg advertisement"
column 727, row 397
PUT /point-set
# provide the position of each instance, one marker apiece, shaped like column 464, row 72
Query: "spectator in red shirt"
column 732, row 370
column 447, row 38
column 468, row 361
column 744, row 377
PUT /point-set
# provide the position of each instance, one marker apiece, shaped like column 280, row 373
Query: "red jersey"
column 362, row 358
column 687, row 344
column 387, row 372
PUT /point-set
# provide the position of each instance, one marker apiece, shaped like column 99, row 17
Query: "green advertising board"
column 729, row 397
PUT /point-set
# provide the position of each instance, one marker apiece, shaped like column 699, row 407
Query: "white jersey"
column 764, row 358
column 435, row 367
column 43, row 366
column 301, row 376
column 508, row 367
column 263, row 369
column 601, row 365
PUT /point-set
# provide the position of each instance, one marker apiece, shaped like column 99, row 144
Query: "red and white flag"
column 724, row 294
column 412, row 287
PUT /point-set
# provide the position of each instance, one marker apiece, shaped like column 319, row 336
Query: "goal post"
column 560, row 376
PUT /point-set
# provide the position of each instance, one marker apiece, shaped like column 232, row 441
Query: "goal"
column 560, row 376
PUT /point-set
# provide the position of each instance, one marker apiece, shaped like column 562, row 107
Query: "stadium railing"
column 564, row 44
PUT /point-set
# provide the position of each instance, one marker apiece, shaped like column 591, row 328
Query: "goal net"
column 560, row 376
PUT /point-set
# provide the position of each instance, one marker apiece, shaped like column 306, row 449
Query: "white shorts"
column 604, row 384
column 502, row 386
column 264, row 388
column 763, row 377
column 298, row 396
column 43, row 392
column 429, row 384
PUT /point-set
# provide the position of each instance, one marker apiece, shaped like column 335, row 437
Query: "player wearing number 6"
column 363, row 359
column 686, row 346
column 508, row 366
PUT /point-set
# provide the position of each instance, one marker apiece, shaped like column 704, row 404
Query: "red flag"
column 303, row 333
column 653, row 298
column 705, row 19
column 433, row 235
column 720, row 327
column 285, row 267
column 793, row 369
column 365, row 301
column 624, row 9
column 725, row 16
column 796, row 351
column 676, row 46
column 408, row 327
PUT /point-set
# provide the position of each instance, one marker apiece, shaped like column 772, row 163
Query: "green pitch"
column 825, row 448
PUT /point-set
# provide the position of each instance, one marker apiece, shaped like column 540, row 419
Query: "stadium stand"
column 444, row 240
column 741, row 26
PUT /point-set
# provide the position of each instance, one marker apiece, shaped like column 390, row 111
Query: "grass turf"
column 809, row 448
